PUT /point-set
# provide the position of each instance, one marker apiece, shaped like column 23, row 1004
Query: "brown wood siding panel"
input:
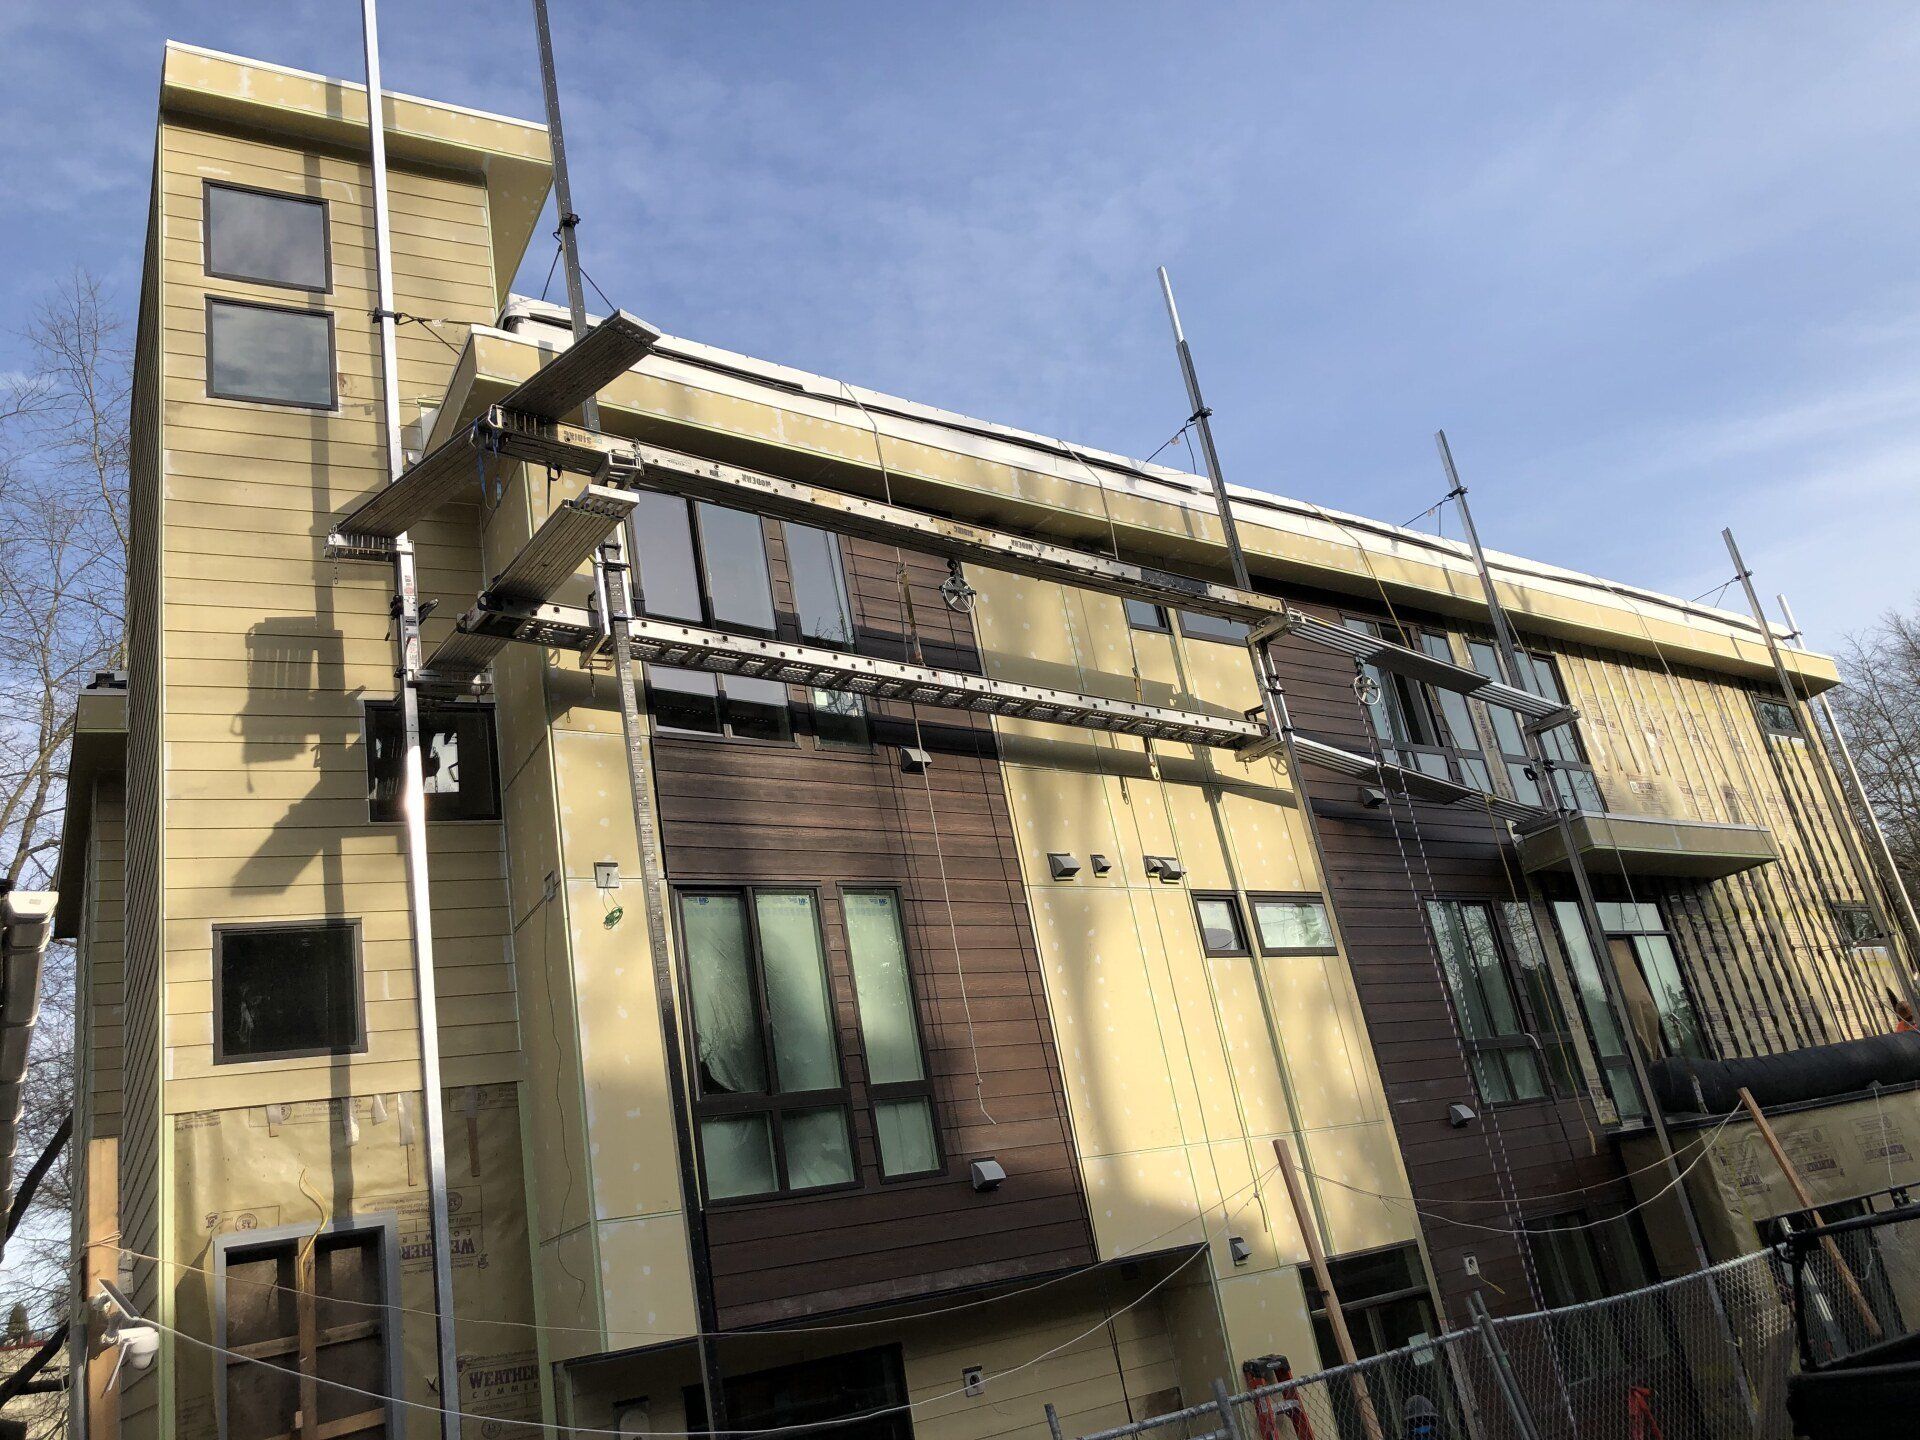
column 1379, row 868
column 747, row 812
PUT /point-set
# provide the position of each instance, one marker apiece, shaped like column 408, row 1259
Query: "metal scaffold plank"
column 1369, row 649
column 367, row 533
column 690, row 647
column 564, row 542
column 583, row 369
column 1414, row 784
column 618, row 461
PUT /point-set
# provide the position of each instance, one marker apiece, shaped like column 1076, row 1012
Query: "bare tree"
column 1880, row 708
column 64, row 433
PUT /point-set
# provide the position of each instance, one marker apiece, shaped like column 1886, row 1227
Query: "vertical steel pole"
column 1828, row 791
column 1582, row 883
column 413, row 799
column 1502, row 1368
column 1895, row 882
column 1202, row 418
column 614, row 592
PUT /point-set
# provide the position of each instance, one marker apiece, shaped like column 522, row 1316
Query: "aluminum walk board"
column 368, row 532
column 585, row 368
column 690, row 647
column 651, row 467
column 1414, row 784
column 1415, row 664
column 564, row 542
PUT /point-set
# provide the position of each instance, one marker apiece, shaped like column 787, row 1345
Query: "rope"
column 910, row 623
column 906, row 1408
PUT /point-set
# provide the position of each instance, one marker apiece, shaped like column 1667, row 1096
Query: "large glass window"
column 260, row 236
column 1576, row 784
column 265, row 353
column 456, row 761
column 890, row 1033
column 821, row 604
column 698, row 702
column 286, row 990
column 1511, row 1024
column 1603, row 1025
column 702, row 563
column 1385, row 1304
column 772, row 1104
column 1403, row 721
column 1659, row 1006
column 1580, row 1260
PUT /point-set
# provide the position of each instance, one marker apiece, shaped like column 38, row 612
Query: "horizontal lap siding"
column 765, row 813
column 268, row 647
column 1380, row 864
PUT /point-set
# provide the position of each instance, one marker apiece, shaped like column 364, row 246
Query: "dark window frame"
column 660, row 730
column 1666, row 932
column 921, row 1089
column 1557, row 1083
column 356, row 966
column 1510, row 761
column 496, row 799
column 1187, row 632
column 333, row 350
column 1873, row 938
column 1291, row 897
column 1232, row 899
column 209, row 185
column 384, row 1226
column 1420, row 712
column 773, row 1104
column 1763, row 705
column 708, row 616
column 1160, row 622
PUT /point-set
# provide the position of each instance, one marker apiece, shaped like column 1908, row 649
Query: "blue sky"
column 1651, row 265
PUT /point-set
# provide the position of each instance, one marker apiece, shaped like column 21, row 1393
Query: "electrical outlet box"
column 1471, row 1263
column 973, row 1381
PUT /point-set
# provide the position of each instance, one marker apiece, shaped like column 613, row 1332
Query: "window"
column 1659, row 1006
column 698, row 702
column 314, row 1308
column 1579, row 1265
column 1857, row 925
column 702, row 563
column 772, row 1108
column 1513, row 1032
column 1574, row 778
column 1292, row 925
column 1401, row 716
column 890, row 1032
column 273, row 239
column 281, row 991
column 813, row 1397
column 840, row 721
column 1196, row 626
column 1603, row 1024
column 821, row 605
column 1384, row 1301
column 1142, row 615
column 265, row 353
column 1222, row 930
column 1776, row 717
column 456, row 760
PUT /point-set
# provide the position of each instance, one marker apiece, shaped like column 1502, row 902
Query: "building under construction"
column 630, row 887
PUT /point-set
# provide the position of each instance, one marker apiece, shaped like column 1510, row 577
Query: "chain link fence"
column 1703, row 1357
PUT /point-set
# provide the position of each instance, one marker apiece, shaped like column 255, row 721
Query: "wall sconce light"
column 1371, row 797
column 1459, row 1116
column 1062, row 865
column 1165, row 868
column 914, row 760
column 987, row 1175
column 1239, row 1249
column 1101, row 864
